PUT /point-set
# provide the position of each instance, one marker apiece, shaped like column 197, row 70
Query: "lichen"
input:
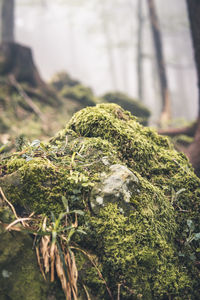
column 136, row 245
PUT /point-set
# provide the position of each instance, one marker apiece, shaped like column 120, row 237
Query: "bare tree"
column 139, row 49
column 7, row 20
column 108, row 41
column 166, row 103
column 193, row 151
column 194, row 13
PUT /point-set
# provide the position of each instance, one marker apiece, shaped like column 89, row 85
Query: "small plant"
column 189, row 242
column 54, row 252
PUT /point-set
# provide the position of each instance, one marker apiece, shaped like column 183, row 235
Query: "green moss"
column 126, row 102
column 182, row 140
column 3, row 125
column 61, row 80
column 138, row 246
column 83, row 95
column 137, row 251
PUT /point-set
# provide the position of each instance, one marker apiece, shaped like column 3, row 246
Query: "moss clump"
column 3, row 126
column 79, row 93
column 136, row 245
column 182, row 140
column 61, row 80
column 135, row 107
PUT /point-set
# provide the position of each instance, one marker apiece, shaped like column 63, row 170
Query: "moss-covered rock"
column 135, row 107
column 140, row 197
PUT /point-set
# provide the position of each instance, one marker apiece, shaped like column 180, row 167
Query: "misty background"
column 69, row 36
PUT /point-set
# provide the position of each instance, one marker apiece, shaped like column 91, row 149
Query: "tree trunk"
column 193, row 151
column 194, row 13
column 18, row 61
column 108, row 40
column 139, row 50
column 7, row 20
column 166, row 105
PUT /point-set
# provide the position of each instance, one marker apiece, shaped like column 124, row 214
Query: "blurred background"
column 96, row 41
column 59, row 56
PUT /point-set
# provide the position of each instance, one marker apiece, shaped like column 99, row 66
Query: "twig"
column 86, row 292
column 14, row 212
column 5, row 199
column 17, row 221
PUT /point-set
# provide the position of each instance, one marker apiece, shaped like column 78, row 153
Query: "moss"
column 81, row 94
column 61, row 80
column 182, row 140
column 137, row 247
column 3, row 125
column 137, row 251
column 126, row 102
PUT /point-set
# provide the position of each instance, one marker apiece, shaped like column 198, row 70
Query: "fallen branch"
column 28, row 100
column 190, row 131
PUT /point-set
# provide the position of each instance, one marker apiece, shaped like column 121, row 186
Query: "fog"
column 69, row 36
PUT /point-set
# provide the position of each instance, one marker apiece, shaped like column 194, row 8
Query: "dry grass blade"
column 75, row 225
column 52, row 257
column 17, row 221
column 6, row 200
column 15, row 228
column 22, row 220
column 44, row 248
column 118, row 291
column 72, row 273
column 68, row 295
column 86, row 292
column 61, row 274
column 39, row 261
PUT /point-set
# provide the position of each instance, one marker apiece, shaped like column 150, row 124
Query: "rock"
column 115, row 187
column 144, row 195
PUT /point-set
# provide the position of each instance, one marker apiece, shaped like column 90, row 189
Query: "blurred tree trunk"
column 139, row 49
column 108, row 40
column 166, row 105
column 7, row 20
column 194, row 16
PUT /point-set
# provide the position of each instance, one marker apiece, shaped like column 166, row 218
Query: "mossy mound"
column 80, row 94
column 138, row 230
column 135, row 107
column 30, row 111
column 73, row 91
column 61, row 80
